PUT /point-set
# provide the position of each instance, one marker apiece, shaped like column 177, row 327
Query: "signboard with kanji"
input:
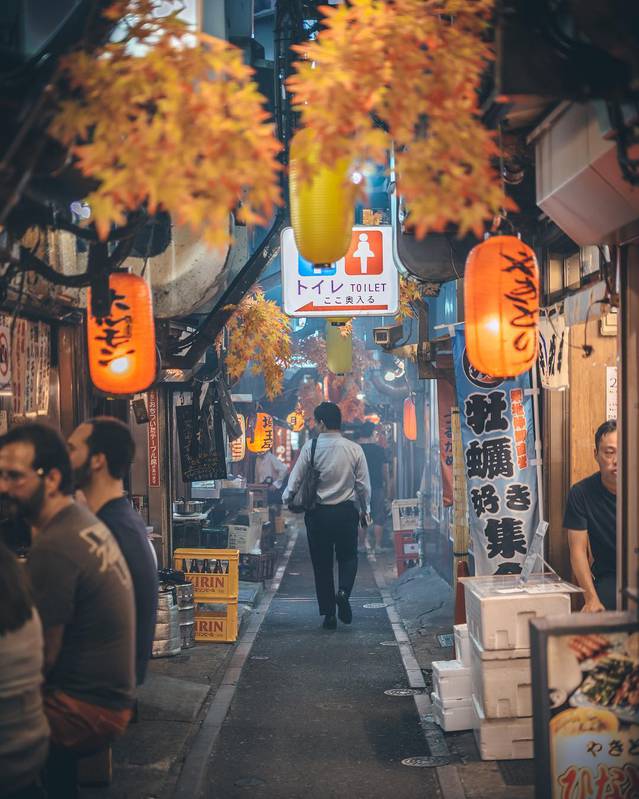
column 363, row 283
column 498, row 441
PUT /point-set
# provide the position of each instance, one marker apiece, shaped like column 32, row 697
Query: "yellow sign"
column 295, row 420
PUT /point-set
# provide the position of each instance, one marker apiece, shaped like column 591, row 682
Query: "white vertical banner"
column 611, row 392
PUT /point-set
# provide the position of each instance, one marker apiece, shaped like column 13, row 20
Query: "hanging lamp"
column 501, row 306
column 295, row 420
column 322, row 207
column 339, row 346
column 410, row 419
column 261, row 439
column 121, row 346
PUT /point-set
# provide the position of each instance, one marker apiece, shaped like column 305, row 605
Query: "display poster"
column 611, row 392
column 445, row 401
column 201, row 460
column 498, row 445
column 587, row 732
column 153, row 439
column 29, row 362
column 553, row 351
column 5, row 354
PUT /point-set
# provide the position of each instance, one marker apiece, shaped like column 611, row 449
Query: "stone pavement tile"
column 203, row 663
column 483, row 780
column 170, row 699
column 133, row 783
column 152, row 743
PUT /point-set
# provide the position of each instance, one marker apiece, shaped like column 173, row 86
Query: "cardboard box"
column 501, row 685
column 245, row 537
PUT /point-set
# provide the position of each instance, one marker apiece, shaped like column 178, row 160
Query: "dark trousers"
column 332, row 528
column 606, row 587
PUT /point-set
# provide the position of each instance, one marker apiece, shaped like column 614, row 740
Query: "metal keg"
column 166, row 641
column 186, row 614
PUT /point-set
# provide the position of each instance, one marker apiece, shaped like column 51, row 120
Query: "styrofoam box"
column 454, row 716
column 244, row 537
column 451, row 680
column 498, row 614
column 502, row 685
column 502, row 739
column 462, row 644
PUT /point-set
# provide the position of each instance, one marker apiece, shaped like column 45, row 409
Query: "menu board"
column 586, row 706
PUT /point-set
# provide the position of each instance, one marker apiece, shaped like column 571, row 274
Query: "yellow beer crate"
column 216, row 622
column 212, row 572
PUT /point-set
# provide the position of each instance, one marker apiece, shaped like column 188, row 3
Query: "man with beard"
column 83, row 593
column 101, row 452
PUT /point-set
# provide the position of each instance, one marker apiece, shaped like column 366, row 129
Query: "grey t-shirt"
column 80, row 580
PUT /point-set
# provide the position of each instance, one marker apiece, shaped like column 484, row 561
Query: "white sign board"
column 363, row 283
column 611, row 392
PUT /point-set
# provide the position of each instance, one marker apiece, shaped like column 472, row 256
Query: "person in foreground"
column 101, row 452
column 84, row 595
column 343, row 501
column 590, row 521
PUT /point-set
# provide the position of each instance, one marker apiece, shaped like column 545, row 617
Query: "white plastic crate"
column 501, row 685
column 502, row 739
column 462, row 644
column 454, row 716
column 498, row 611
column 451, row 680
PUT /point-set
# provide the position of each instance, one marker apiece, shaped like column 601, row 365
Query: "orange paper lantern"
column 121, row 346
column 410, row 419
column 262, row 438
column 295, row 420
column 501, row 306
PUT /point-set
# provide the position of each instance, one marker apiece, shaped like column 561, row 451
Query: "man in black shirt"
column 101, row 452
column 591, row 523
column 376, row 462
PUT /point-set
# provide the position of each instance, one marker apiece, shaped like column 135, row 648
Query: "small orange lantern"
column 410, row 419
column 501, row 304
column 121, row 346
column 262, row 438
column 238, row 445
column 295, row 420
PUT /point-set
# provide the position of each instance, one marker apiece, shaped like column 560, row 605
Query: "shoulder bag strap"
column 313, row 448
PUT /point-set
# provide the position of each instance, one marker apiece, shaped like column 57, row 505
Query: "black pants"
column 606, row 587
column 332, row 527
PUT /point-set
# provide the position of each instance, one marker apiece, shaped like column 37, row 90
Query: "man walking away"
column 101, row 452
column 376, row 462
column 590, row 521
column 343, row 498
column 83, row 593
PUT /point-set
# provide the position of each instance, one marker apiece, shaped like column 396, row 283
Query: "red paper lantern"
column 410, row 419
column 261, row 439
column 501, row 306
column 121, row 346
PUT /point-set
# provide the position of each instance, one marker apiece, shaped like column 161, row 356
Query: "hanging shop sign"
column 238, row 445
column 499, row 448
column 5, row 354
column 295, row 420
column 445, row 402
column 585, row 669
column 553, row 350
column 282, row 444
column 201, row 442
column 501, row 306
column 260, row 433
column 153, row 439
column 611, row 392
column 364, row 282
column 30, row 360
column 121, row 346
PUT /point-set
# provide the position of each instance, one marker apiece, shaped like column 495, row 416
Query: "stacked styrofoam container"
column 451, row 697
column 498, row 614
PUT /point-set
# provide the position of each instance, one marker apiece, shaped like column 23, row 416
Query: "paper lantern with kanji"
column 339, row 346
column 295, row 420
column 121, row 346
column 410, row 419
column 237, row 447
column 501, row 304
column 260, row 438
column 322, row 207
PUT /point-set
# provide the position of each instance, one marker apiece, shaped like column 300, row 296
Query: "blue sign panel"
column 499, row 449
column 308, row 269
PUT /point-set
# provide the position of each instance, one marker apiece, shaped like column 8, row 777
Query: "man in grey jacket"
column 343, row 502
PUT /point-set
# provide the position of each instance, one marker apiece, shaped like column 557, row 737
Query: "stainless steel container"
column 167, row 639
column 186, row 614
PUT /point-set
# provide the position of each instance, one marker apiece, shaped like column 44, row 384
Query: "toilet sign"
column 363, row 283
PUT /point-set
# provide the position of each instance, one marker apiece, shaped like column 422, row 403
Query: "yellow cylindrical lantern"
column 339, row 346
column 501, row 305
column 262, row 438
column 322, row 208
column 295, row 420
column 410, row 419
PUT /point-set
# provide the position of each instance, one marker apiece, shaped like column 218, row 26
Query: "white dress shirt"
column 342, row 469
column 268, row 465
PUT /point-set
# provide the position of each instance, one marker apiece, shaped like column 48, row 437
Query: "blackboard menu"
column 202, row 457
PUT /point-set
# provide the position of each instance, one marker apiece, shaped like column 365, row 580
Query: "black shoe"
column 329, row 623
column 344, row 612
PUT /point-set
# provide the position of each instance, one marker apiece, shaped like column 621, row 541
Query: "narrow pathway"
column 310, row 719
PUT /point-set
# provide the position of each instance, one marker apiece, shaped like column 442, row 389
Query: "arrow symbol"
column 330, row 308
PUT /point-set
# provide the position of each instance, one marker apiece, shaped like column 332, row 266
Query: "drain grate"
column 426, row 762
column 446, row 640
column 517, row 772
column 403, row 691
column 375, row 605
column 389, row 643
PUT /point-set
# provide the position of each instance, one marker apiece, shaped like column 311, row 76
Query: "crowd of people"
column 78, row 616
